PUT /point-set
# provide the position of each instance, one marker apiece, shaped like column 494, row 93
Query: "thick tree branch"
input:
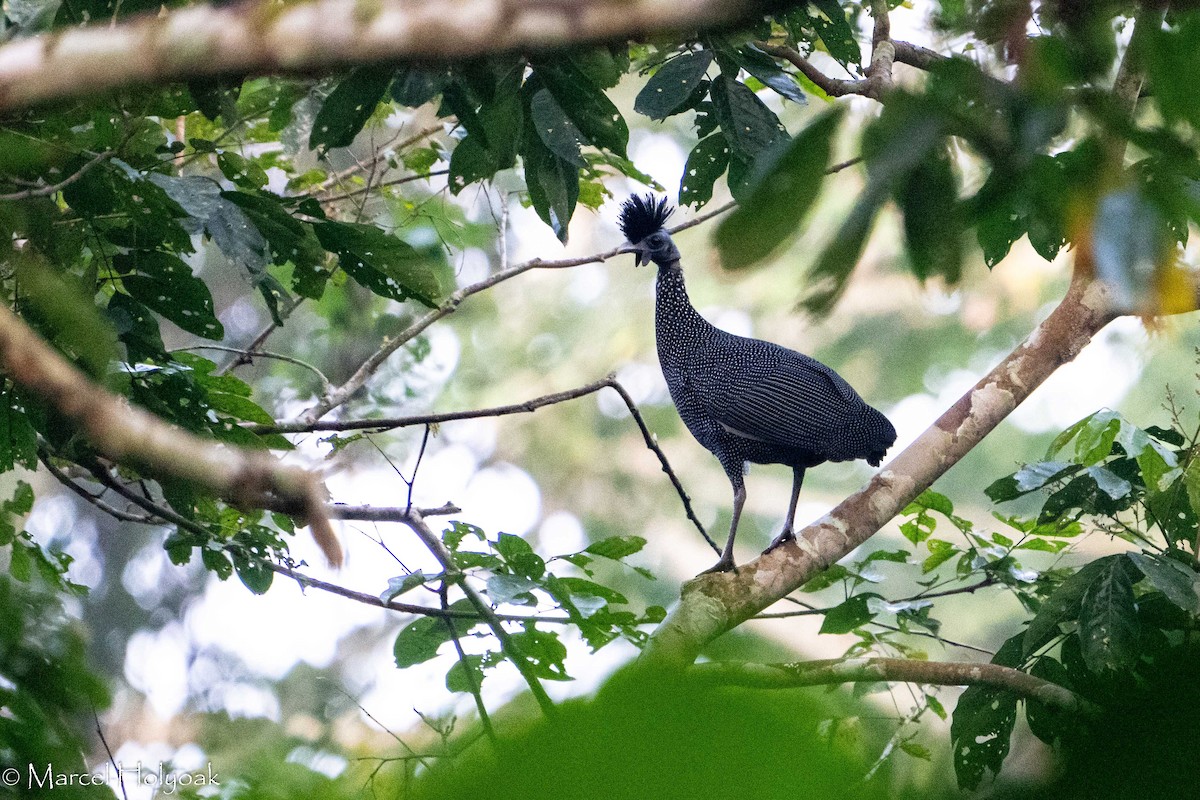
column 712, row 604
column 883, row 53
column 834, row 87
column 857, row 670
column 129, row 435
column 204, row 40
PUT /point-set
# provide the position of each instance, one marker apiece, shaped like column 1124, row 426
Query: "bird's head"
column 642, row 220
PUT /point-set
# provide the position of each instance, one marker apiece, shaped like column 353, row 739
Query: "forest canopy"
column 286, row 283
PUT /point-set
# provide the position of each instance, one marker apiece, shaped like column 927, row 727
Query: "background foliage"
column 231, row 254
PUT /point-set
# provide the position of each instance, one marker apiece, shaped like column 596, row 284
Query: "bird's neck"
column 679, row 328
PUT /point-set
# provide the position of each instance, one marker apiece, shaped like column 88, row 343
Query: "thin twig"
column 528, row 406
column 111, row 759
column 47, row 191
column 249, row 354
column 394, row 182
column 469, row 675
column 392, row 423
column 94, row 500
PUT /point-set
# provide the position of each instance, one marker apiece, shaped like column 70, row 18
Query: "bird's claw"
column 783, row 538
column 724, row 565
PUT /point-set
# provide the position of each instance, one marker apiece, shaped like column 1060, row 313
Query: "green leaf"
column 849, row 615
column 841, row 255
column 1064, row 603
column 1108, row 622
column 452, row 537
column 771, row 212
column 216, row 560
column 165, row 284
column 471, row 161
column 67, row 315
column 419, row 641
column 555, row 129
column 415, row 86
column 517, row 553
column 585, row 104
column 669, row 89
column 1028, row 479
column 383, row 263
column 708, row 161
column 1174, row 580
column 505, row 588
column 543, row 651
column 242, row 171
column 828, row 21
column 18, row 439
column 981, row 728
column 581, row 586
column 553, row 183
column 254, row 574
column 939, row 553
column 348, row 107
column 20, row 562
column 616, row 547
column 765, row 68
column 933, row 219
column 400, row 584
column 288, row 240
column 749, row 126
column 466, row 675
column 1047, row 722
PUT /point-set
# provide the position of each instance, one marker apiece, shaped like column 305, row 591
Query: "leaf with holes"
column 749, row 126
column 1108, row 622
column 164, row 283
column 420, row 640
column 383, row 263
column 1063, row 604
column 705, row 164
column 348, row 107
column 555, row 129
column 585, row 104
column 669, row 89
column 1174, row 580
column 982, row 725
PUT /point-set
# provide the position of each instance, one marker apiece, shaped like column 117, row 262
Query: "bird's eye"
column 656, row 239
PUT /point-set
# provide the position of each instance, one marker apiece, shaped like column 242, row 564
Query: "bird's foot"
column 783, row 538
column 724, row 565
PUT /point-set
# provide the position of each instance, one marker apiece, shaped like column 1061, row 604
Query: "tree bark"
column 324, row 35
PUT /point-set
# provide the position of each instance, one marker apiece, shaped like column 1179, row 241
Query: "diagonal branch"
column 130, row 435
column 856, row 670
column 712, row 604
column 323, row 35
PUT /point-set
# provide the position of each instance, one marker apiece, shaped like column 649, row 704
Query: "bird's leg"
column 725, row 564
column 788, row 535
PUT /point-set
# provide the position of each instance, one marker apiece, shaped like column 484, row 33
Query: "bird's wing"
column 785, row 398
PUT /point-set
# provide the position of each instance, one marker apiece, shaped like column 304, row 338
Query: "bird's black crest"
column 642, row 216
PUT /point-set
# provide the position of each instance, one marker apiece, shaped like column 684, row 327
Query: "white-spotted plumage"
column 746, row 399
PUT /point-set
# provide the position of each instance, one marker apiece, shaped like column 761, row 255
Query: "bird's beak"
column 641, row 257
